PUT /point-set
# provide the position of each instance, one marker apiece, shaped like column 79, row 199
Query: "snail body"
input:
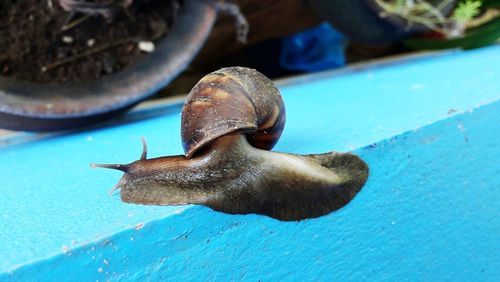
column 227, row 165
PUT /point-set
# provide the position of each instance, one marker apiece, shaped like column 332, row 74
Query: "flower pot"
column 49, row 107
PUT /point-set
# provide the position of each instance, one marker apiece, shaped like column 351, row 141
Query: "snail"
column 230, row 121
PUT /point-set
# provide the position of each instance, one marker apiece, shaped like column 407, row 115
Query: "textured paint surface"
column 430, row 207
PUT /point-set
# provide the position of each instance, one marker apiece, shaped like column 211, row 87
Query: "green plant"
column 430, row 14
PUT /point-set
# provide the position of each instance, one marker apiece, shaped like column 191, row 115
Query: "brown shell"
column 232, row 100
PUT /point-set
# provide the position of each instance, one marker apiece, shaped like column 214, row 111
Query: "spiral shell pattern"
column 232, row 100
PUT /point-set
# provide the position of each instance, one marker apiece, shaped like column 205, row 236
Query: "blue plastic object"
column 428, row 129
column 316, row 49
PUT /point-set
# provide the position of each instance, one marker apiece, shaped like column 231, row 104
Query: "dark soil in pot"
column 42, row 42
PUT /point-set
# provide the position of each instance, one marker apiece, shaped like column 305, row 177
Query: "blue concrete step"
column 428, row 128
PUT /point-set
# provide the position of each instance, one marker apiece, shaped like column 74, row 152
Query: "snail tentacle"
column 144, row 154
column 121, row 167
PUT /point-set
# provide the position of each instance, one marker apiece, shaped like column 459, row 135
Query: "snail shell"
column 232, row 100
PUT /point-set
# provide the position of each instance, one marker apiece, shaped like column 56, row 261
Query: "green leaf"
column 467, row 10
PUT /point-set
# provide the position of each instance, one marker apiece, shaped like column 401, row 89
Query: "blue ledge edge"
column 428, row 128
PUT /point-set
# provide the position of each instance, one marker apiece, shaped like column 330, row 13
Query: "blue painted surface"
column 429, row 208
